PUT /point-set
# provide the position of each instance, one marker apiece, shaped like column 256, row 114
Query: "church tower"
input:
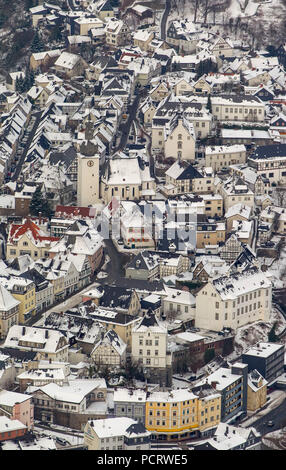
column 88, row 171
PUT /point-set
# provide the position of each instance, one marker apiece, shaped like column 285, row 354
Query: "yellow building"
column 57, row 279
column 9, row 311
column 28, row 239
column 256, row 391
column 209, row 233
column 159, row 92
column 24, row 291
column 213, row 205
column 143, row 38
column 182, row 413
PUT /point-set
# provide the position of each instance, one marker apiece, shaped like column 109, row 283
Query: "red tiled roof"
column 17, row 230
column 74, row 210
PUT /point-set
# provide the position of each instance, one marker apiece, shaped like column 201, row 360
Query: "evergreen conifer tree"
column 37, row 43
column 39, row 204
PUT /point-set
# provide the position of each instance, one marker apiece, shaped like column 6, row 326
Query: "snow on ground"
column 185, row 9
column 101, row 275
column 74, row 438
column 276, row 398
column 276, row 440
column 278, row 271
column 253, row 333
column 260, row 16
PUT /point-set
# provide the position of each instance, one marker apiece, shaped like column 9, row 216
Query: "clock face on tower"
column 90, row 163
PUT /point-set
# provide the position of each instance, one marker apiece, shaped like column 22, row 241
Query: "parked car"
column 192, row 378
column 61, row 441
column 270, row 424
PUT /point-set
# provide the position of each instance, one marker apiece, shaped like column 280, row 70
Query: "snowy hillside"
column 263, row 22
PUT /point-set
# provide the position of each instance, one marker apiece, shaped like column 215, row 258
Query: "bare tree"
column 196, row 10
column 280, row 195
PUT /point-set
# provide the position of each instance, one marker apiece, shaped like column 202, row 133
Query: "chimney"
column 23, row 330
column 213, row 384
column 46, row 334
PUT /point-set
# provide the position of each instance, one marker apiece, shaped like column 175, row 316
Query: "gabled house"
column 117, row 33
column 126, row 434
column 70, row 65
column 149, row 350
column 71, row 404
column 110, row 351
column 228, row 437
column 82, row 331
column 222, row 47
column 28, row 238
column 46, row 343
column 181, row 175
column 180, row 139
column 142, row 38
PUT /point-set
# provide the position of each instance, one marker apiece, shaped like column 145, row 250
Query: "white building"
column 238, row 108
column 218, row 156
column 234, row 300
column 149, row 349
column 116, row 434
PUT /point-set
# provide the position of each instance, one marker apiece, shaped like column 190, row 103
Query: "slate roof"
column 65, row 158
column 149, row 319
column 115, row 297
column 269, row 151
column 18, row 354
column 34, row 275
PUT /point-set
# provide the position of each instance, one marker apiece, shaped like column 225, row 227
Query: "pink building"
column 17, row 406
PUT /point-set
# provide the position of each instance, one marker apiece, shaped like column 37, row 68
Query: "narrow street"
column 115, row 270
column 27, row 146
column 148, row 148
column 254, row 235
column 277, row 415
column 124, row 128
column 164, row 19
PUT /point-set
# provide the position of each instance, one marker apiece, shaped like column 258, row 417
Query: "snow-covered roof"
column 238, row 209
column 232, row 286
column 10, row 425
column 7, row 301
column 179, row 296
column 113, row 427
column 67, row 60
column 263, row 349
column 128, row 395
column 75, row 391
column 8, row 398
column 219, row 149
column 21, row 337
